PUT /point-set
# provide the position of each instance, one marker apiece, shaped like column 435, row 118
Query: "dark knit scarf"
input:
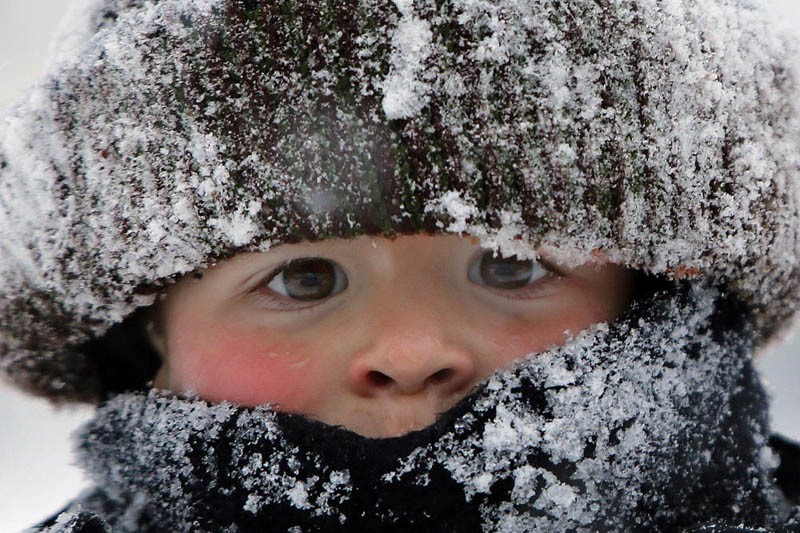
column 656, row 423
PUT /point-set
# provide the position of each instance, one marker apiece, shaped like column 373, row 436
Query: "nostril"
column 441, row 376
column 378, row 379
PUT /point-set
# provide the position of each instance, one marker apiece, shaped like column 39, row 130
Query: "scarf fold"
column 657, row 422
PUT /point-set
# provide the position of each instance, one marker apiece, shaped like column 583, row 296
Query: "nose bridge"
column 416, row 320
column 419, row 307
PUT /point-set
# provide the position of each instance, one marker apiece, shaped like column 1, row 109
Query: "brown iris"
column 504, row 272
column 309, row 279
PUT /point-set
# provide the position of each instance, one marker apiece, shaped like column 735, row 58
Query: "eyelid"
column 538, row 288
column 263, row 275
column 551, row 266
column 258, row 285
column 281, row 303
column 553, row 273
column 537, row 258
column 268, row 273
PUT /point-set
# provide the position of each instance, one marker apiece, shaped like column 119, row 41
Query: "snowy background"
column 36, row 475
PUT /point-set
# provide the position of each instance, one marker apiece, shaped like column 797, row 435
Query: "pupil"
column 505, row 269
column 504, row 272
column 309, row 279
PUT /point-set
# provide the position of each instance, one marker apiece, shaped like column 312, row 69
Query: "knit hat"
column 173, row 133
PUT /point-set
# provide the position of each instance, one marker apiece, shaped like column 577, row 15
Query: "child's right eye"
column 308, row 279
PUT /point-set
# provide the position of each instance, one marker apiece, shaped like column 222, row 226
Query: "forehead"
column 416, row 245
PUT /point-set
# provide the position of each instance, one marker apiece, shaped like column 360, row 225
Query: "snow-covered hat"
column 172, row 133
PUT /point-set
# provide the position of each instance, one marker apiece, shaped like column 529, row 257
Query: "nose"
column 410, row 363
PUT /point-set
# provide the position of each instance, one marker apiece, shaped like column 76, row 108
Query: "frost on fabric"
column 512, row 238
column 405, row 89
column 180, row 453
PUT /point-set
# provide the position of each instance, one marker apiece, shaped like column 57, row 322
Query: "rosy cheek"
column 244, row 367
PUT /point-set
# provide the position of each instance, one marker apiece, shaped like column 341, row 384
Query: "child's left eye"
column 308, row 279
column 506, row 273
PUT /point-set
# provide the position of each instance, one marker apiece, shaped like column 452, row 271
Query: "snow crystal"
column 510, row 239
column 405, row 89
column 768, row 458
column 156, row 230
column 239, row 229
column 483, row 483
column 253, row 504
column 298, row 495
column 558, row 495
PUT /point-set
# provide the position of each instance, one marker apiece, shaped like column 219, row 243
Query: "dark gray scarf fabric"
column 655, row 423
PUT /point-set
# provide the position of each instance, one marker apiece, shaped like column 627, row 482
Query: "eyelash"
column 534, row 290
column 266, row 297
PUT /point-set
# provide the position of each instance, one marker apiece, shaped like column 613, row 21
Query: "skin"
column 411, row 334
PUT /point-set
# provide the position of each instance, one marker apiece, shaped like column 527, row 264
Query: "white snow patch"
column 298, row 495
column 238, row 229
column 405, row 91
column 509, row 240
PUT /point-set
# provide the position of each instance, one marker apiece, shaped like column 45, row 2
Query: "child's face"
column 376, row 335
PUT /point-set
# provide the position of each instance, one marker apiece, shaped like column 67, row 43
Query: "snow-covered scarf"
column 657, row 423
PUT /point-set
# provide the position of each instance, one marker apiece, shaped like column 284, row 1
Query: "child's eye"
column 506, row 273
column 308, row 279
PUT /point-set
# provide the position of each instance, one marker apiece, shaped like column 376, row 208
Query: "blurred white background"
column 36, row 472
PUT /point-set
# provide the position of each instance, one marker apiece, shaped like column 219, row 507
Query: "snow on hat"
column 172, row 133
